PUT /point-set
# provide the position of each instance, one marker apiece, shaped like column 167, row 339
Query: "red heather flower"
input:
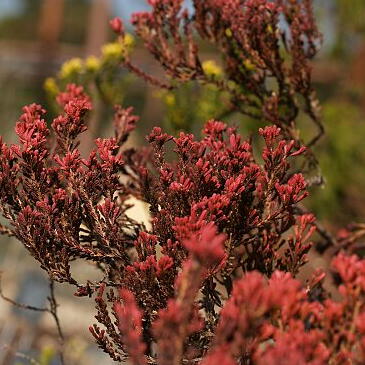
column 108, row 152
column 270, row 134
column 352, row 271
column 124, row 123
column 73, row 95
column 146, row 245
column 129, row 322
column 207, row 246
column 117, row 25
column 110, row 211
column 32, row 129
column 164, row 264
column 291, row 192
column 296, row 347
column 70, row 162
column 297, row 325
column 75, row 104
column 158, row 137
column 180, row 319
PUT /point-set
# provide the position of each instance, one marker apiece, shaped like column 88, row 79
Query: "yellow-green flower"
column 47, row 355
column 128, row 41
column 210, row 68
column 50, row 86
column 270, row 28
column 249, row 65
column 170, row 99
column 231, row 85
column 228, row 33
column 117, row 50
column 70, row 67
column 112, row 50
column 92, row 64
column 159, row 94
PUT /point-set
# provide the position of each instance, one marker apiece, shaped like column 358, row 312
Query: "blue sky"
column 9, row 7
column 126, row 7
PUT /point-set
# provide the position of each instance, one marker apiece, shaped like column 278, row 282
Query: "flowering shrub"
column 212, row 278
column 266, row 47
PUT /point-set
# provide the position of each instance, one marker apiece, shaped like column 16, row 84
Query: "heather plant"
column 223, row 249
column 265, row 49
column 109, row 80
column 214, row 276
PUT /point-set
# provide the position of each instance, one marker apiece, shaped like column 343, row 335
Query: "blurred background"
column 38, row 36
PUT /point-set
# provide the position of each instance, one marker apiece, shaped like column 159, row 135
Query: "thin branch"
column 53, row 310
column 20, row 354
column 313, row 111
column 318, row 136
column 143, row 75
column 20, row 305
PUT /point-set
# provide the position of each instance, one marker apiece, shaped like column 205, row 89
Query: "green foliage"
column 23, row 23
column 187, row 106
column 351, row 14
column 339, row 155
column 102, row 77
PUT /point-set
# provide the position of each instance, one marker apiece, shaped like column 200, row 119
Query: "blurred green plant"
column 351, row 15
column 208, row 102
column 21, row 25
column 47, row 355
column 188, row 104
column 341, row 198
column 101, row 76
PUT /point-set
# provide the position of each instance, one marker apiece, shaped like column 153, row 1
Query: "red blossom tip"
column 117, row 25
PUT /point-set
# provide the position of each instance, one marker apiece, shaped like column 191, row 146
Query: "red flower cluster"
column 213, row 278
